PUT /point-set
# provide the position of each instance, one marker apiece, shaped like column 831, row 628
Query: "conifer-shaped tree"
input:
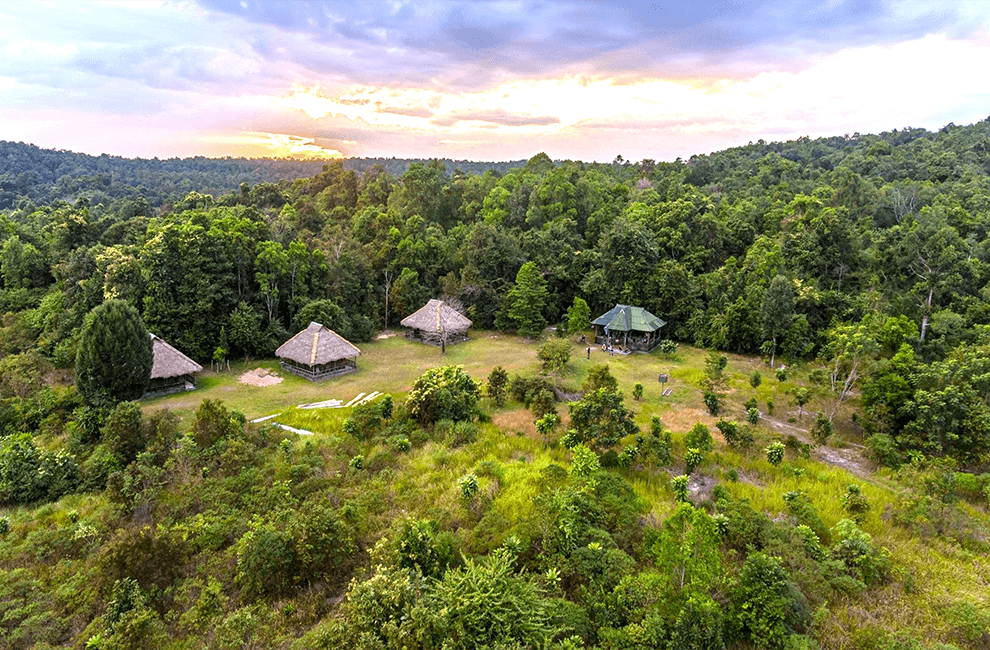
column 115, row 355
column 527, row 300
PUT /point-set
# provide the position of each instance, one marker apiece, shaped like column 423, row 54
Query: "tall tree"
column 526, row 301
column 115, row 355
column 777, row 311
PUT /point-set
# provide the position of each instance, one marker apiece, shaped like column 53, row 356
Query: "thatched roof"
column 317, row 345
column 169, row 362
column 437, row 317
column 624, row 318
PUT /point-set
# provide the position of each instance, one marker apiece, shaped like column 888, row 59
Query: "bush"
column 804, row 511
column 356, row 462
column 421, row 546
column 122, row 433
column 498, row 381
column 267, row 563
column 755, row 379
column 855, row 549
column 822, row 428
column 713, row 402
column 666, row 346
column 28, row 475
column 775, row 453
column 446, row 392
column 554, row 354
column 750, row 403
column 468, row 485
column 214, row 422
column 598, row 378
column 699, row 437
column 761, row 603
column 522, row 390
column 4, row 526
column 855, row 503
column 753, row 416
column 637, row 391
column 692, row 458
column 584, row 462
column 883, row 450
column 735, row 436
column 541, row 402
column 770, row 407
column 679, row 486
column 698, row 626
column 781, row 375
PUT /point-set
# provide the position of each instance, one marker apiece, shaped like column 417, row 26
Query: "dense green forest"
column 44, row 175
column 861, row 262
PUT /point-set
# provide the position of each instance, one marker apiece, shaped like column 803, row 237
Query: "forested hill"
column 425, row 514
column 47, row 175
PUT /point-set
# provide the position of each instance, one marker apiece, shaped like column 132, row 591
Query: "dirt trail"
column 850, row 458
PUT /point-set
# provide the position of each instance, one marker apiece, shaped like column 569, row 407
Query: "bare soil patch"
column 685, row 418
column 260, row 377
column 850, row 459
column 387, row 334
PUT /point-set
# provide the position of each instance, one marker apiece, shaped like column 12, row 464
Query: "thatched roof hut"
column 171, row 370
column 317, row 353
column 437, row 323
column 628, row 326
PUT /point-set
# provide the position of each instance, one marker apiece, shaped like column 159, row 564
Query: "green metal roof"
column 624, row 318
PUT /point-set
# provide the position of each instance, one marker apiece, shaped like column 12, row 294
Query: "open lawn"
column 391, row 365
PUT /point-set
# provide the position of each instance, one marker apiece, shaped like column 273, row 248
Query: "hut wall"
column 319, row 372
column 434, row 338
column 168, row 385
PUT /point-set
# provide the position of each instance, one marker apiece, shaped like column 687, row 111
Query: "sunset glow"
column 432, row 79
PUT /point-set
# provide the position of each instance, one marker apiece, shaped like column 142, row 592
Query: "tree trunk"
column 924, row 318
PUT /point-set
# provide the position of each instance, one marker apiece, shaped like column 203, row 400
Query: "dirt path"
column 850, row 458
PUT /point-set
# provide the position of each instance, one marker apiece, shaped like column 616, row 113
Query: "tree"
column 578, row 316
column 271, row 266
column 498, row 381
column 245, row 329
column 777, row 311
column 599, row 377
column 526, row 301
column 115, row 355
column 601, row 419
column 444, row 393
column 554, row 354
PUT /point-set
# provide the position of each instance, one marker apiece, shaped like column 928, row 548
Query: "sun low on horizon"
column 479, row 80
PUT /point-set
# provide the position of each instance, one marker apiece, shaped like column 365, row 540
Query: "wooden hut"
column 633, row 328
column 171, row 371
column 436, row 323
column 318, row 353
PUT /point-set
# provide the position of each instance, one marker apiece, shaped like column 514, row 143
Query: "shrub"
column 468, row 485
column 356, row 462
column 761, row 603
column 750, row 403
column 122, row 433
column 422, row 546
column 601, row 419
column 584, row 462
column 637, row 391
column 698, row 626
column 541, row 402
column 523, row 389
column 28, row 475
column 855, row 549
column 855, row 503
column 4, row 526
column 554, row 354
column 735, row 436
column 713, row 402
column 547, row 424
column 679, row 486
column 753, row 416
column 822, row 428
column 692, row 458
column 801, row 508
column 666, row 346
column 498, row 381
column 781, row 374
column 214, row 421
column 446, row 392
column 882, row 449
column 598, row 378
column 775, row 453
column 267, row 563
column 699, row 437
column 755, row 379
column 365, row 421
column 770, row 407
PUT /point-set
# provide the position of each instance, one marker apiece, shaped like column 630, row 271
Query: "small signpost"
column 663, row 380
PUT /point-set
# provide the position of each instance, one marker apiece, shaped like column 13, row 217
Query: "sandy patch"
column 387, row 334
column 260, row 377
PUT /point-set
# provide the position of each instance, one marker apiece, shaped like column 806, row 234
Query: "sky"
column 479, row 80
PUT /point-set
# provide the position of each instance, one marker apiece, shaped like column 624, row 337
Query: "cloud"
column 496, row 116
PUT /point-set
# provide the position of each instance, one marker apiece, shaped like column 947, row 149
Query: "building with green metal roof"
column 632, row 328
